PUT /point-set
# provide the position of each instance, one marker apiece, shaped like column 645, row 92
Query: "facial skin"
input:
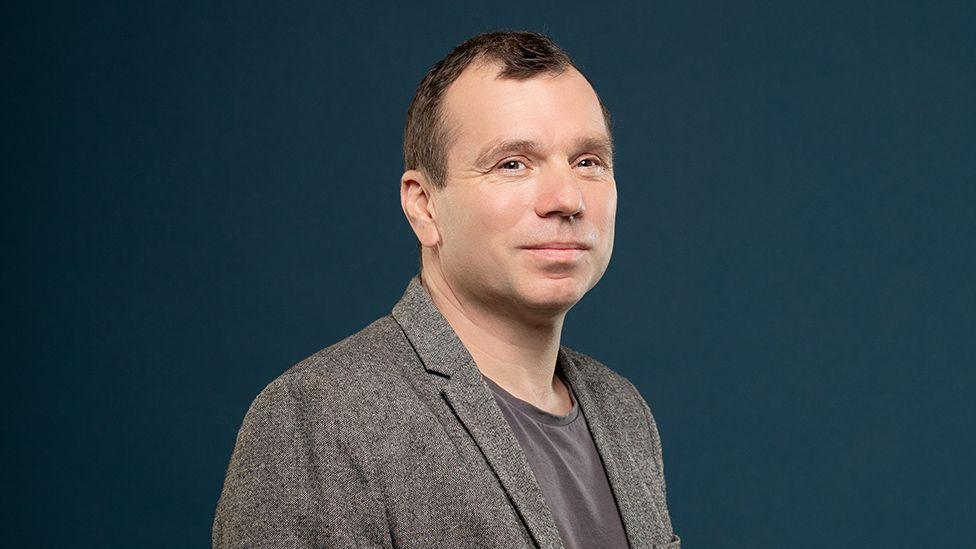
column 495, row 205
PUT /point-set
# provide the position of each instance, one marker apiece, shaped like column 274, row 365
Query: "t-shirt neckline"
column 533, row 412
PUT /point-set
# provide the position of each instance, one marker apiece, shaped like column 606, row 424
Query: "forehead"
column 548, row 108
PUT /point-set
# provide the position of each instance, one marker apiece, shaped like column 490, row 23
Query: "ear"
column 416, row 199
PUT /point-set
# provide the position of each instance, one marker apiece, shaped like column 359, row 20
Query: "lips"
column 558, row 246
column 558, row 251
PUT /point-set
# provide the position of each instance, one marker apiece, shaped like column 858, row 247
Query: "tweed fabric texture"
column 391, row 438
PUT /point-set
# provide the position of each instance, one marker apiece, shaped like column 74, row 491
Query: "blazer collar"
column 442, row 352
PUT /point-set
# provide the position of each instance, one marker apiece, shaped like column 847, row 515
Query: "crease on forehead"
column 450, row 128
column 598, row 144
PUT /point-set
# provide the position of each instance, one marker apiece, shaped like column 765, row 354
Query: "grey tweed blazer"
column 391, row 438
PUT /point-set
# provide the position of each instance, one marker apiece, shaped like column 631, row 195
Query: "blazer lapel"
column 600, row 404
column 465, row 391
column 476, row 408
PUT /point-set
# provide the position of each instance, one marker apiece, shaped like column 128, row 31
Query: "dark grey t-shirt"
column 564, row 459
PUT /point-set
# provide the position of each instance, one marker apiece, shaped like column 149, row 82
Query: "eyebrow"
column 597, row 144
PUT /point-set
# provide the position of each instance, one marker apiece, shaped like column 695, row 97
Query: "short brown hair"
column 522, row 54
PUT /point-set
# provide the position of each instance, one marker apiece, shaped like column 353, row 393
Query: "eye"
column 511, row 164
column 594, row 162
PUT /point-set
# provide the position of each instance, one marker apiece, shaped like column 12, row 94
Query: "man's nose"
column 560, row 194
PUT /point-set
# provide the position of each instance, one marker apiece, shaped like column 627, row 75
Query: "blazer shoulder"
column 314, row 417
column 368, row 356
column 349, row 378
column 595, row 369
column 374, row 348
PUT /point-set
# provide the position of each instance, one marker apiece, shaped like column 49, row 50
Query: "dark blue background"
column 197, row 196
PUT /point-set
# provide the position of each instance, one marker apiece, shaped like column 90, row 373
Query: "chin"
column 548, row 292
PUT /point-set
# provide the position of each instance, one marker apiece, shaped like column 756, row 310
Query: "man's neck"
column 519, row 356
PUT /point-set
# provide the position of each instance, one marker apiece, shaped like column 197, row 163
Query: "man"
column 459, row 420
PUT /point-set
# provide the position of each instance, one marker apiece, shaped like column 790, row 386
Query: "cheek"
column 611, row 209
column 603, row 207
column 479, row 219
column 497, row 212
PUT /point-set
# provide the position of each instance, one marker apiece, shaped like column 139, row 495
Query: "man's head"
column 507, row 147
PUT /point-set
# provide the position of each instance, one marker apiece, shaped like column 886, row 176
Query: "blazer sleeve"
column 652, row 431
column 658, row 457
column 291, row 483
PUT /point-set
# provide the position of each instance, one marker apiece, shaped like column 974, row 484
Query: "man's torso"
column 394, row 429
